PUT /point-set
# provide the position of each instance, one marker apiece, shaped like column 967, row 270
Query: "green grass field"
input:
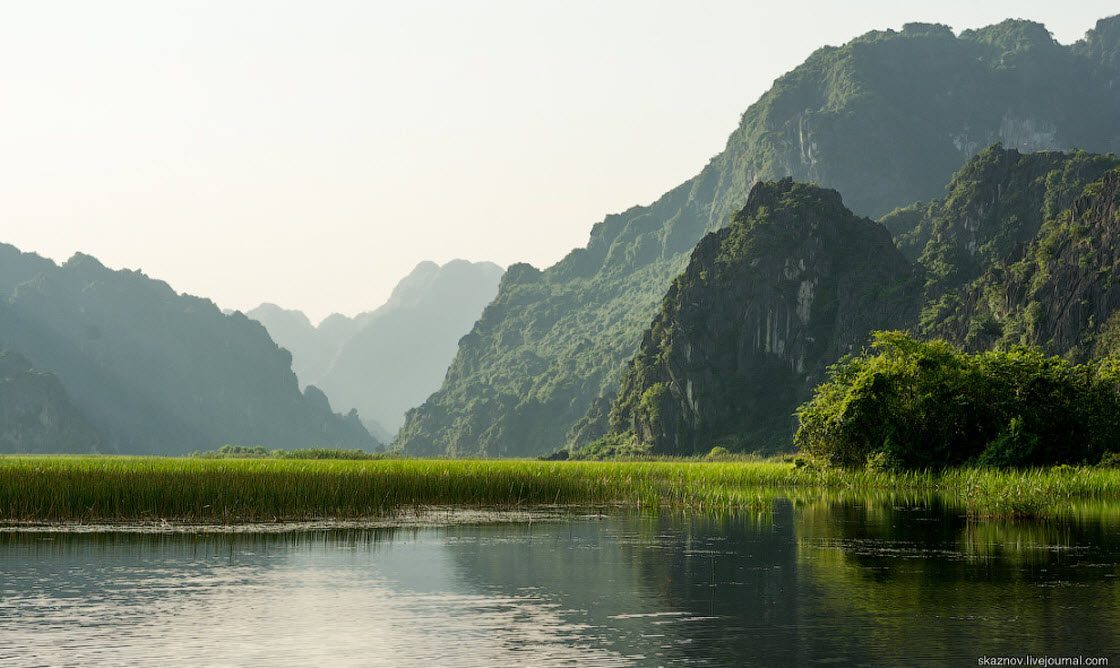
column 127, row 489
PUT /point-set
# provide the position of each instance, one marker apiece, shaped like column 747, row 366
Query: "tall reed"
column 108, row 489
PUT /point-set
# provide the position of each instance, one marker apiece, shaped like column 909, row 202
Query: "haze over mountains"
column 36, row 414
column 700, row 319
column 885, row 119
column 94, row 359
column 388, row 360
column 119, row 362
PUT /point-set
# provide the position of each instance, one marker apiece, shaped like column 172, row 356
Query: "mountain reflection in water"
column 852, row 582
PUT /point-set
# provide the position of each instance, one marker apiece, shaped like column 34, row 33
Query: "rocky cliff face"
column 1102, row 46
column 36, row 415
column 156, row 371
column 885, row 119
column 1022, row 250
column 994, row 206
column 1060, row 293
column 997, row 209
column 763, row 307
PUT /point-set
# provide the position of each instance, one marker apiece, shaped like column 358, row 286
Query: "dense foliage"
column 884, row 119
column 911, row 404
column 993, row 205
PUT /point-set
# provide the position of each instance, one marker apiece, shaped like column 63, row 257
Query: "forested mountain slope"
column 885, row 119
column 1060, row 292
column 1022, row 250
column 765, row 305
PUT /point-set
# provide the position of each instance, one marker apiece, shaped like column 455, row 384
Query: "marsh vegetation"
column 111, row 489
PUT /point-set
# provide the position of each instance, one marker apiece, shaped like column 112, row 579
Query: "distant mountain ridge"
column 885, row 119
column 313, row 347
column 385, row 361
column 155, row 371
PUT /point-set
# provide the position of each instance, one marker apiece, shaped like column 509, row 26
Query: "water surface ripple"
column 831, row 582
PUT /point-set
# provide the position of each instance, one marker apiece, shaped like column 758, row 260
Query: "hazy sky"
column 311, row 153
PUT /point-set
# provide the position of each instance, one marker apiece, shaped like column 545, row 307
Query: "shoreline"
column 418, row 518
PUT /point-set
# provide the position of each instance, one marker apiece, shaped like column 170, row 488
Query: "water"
column 844, row 583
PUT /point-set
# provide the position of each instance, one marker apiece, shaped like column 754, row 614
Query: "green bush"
column 911, row 404
column 611, row 446
column 1111, row 460
column 1014, row 444
column 718, row 454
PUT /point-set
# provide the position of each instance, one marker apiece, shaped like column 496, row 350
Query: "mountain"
column 995, row 209
column 765, row 305
column 1059, row 291
column 401, row 352
column 292, row 330
column 155, row 371
column 993, row 206
column 36, row 414
column 385, row 361
column 313, row 348
column 1023, row 249
column 886, row 119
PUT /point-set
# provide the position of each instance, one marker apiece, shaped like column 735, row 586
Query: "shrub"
column 912, row 404
column 718, row 454
column 1013, row 445
column 611, row 446
column 1111, row 460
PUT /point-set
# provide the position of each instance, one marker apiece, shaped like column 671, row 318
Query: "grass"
column 113, row 489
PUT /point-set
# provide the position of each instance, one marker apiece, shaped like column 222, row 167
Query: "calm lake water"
column 842, row 583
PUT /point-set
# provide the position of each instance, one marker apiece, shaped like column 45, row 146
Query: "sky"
column 311, row 153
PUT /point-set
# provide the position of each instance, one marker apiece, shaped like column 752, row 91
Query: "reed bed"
column 130, row 489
